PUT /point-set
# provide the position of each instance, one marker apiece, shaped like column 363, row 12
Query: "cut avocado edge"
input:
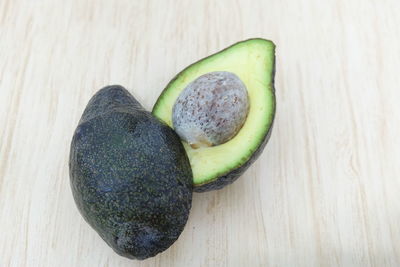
column 256, row 67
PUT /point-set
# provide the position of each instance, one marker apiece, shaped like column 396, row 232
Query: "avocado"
column 216, row 163
column 130, row 176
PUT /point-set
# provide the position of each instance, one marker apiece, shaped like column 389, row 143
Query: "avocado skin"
column 130, row 175
column 232, row 176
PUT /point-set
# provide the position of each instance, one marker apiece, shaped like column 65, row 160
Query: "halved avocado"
column 253, row 61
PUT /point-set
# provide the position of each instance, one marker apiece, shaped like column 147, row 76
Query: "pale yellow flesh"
column 253, row 62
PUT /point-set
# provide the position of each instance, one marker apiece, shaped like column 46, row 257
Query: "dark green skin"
column 233, row 175
column 130, row 175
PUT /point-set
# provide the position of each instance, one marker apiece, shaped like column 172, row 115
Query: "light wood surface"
column 325, row 192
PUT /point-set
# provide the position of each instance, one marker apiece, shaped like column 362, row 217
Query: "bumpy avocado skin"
column 130, row 175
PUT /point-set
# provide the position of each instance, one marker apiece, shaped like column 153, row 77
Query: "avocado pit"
column 211, row 109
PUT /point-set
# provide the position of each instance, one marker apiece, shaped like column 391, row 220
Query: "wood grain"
column 325, row 192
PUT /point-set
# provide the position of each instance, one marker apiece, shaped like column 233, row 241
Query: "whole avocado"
column 130, row 176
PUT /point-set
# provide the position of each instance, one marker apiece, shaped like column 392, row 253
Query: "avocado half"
column 253, row 61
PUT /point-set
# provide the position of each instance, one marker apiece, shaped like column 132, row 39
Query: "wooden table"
column 325, row 192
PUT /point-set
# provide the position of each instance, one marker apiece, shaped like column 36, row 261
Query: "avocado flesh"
column 253, row 61
column 129, row 174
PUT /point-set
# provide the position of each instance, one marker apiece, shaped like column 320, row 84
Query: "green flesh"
column 253, row 62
